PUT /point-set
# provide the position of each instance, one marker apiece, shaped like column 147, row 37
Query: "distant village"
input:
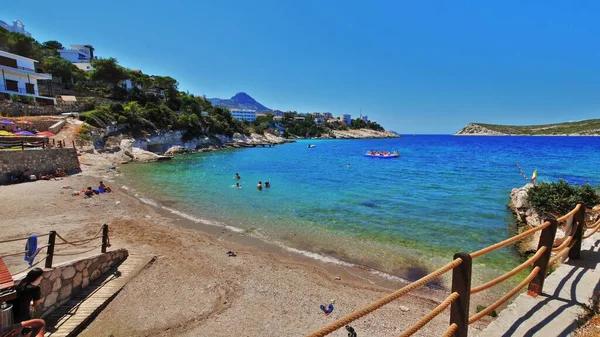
column 319, row 118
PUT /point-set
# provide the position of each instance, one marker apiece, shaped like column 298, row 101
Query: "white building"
column 244, row 114
column 80, row 55
column 346, row 118
column 18, row 76
column 326, row 115
column 364, row 118
column 17, row 27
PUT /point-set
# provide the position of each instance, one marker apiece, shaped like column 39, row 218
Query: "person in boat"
column 259, row 186
column 237, row 176
column 267, row 184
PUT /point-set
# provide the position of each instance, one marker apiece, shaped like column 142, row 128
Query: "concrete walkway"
column 568, row 292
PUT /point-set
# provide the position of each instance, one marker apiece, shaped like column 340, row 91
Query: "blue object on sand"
column 327, row 310
column 31, row 249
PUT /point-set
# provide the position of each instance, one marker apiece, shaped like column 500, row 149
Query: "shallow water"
column 403, row 216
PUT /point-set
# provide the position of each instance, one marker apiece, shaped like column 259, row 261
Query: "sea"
column 399, row 217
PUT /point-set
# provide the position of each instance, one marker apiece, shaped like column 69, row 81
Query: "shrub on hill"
column 560, row 197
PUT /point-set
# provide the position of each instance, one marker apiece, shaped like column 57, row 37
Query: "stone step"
column 73, row 316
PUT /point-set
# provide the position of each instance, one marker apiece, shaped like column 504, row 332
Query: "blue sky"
column 414, row 66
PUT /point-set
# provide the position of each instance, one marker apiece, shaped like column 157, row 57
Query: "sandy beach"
column 194, row 288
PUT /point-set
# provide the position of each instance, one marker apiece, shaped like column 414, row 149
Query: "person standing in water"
column 267, row 184
column 237, row 185
column 259, row 186
column 237, row 176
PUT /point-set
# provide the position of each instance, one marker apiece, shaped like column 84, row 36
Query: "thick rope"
column 427, row 318
column 33, row 265
column 592, row 226
column 511, row 273
column 594, row 230
column 504, row 298
column 13, row 240
column 510, row 241
column 450, row 331
column 79, row 242
column 589, row 210
column 563, row 244
column 77, row 253
column 570, row 214
column 559, row 255
column 22, row 253
column 384, row 300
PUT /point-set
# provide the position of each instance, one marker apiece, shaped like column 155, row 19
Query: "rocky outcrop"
column 529, row 217
column 361, row 134
column 478, row 130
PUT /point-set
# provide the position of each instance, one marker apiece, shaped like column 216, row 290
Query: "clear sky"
column 414, row 66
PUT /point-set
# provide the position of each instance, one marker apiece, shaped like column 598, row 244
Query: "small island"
column 590, row 127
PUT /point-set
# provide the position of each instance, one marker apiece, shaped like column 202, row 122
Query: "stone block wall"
column 56, row 127
column 20, row 109
column 67, row 279
column 13, row 163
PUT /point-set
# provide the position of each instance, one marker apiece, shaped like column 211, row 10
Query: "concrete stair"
column 73, row 316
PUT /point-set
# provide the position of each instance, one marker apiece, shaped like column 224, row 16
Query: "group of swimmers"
column 259, row 186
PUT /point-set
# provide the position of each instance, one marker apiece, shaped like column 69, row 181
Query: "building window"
column 12, row 85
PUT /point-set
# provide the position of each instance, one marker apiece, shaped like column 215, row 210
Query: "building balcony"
column 27, row 71
column 32, row 92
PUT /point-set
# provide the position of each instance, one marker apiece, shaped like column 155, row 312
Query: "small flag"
column 534, row 176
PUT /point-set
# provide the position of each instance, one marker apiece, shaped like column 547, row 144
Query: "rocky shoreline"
column 473, row 129
column 528, row 217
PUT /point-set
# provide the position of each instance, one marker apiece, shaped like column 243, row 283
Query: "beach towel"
column 31, row 249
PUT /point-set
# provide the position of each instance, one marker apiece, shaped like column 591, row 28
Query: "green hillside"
column 587, row 127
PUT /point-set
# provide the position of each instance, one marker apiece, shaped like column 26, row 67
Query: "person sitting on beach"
column 237, row 185
column 104, row 188
column 60, row 173
column 237, row 176
column 259, row 186
column 28, row 294
column 48, row 176
column 89, row 193
column 267, row 184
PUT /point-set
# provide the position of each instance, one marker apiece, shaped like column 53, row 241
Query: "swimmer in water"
column 237, row 176
column 259, row 186
column 237, row 185
column 267, row 184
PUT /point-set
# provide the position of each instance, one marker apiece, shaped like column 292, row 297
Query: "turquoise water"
column 445, row 194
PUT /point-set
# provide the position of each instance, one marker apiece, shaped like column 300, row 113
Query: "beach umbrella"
column 24, row 133
column 7, row 122
column 45, row 134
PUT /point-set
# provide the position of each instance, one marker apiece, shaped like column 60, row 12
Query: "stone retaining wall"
column 20, row 109
column 38, row 162
column 67, row 279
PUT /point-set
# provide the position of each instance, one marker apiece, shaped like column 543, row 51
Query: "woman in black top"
column 28, row 294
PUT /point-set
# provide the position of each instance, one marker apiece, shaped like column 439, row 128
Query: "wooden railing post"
column 546, row 239
column 104, row 238
column 579, row 221
column 51, row 240
column 461, row 283
column 22, row 145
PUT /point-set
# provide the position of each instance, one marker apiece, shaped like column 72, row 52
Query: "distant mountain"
column 239, row 101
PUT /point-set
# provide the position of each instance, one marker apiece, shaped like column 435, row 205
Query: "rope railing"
column 510, row 240
column 101, row 234
column 384, row 300
column 570, row 214
column 33, row 265
column 511, row 273
column 559, row 255
column 504, row 298
column 427, row 318
column 23, row 239
column 594, row 229
column 592, row 226
column 450, row 331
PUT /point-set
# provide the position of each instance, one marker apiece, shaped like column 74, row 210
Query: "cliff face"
column 363, row 133
column 478, row 130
